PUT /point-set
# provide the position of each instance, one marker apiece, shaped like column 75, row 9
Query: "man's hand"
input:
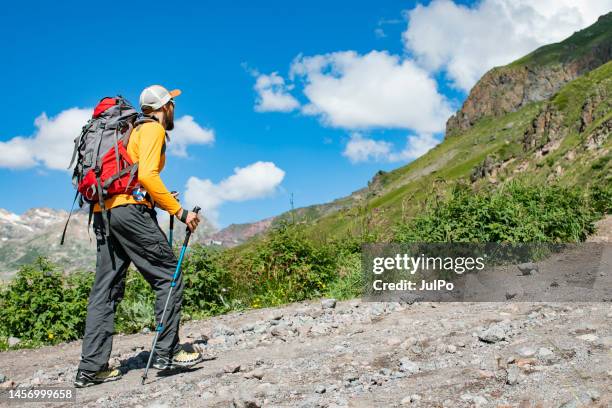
column 192, row 220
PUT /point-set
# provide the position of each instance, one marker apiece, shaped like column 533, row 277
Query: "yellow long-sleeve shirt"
column 147, row 147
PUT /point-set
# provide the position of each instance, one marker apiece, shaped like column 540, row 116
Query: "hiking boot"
column 182, row 359
column 86, row 378
column 186, row 359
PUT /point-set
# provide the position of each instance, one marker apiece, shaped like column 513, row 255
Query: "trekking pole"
column 177, row 273
column 171, row 224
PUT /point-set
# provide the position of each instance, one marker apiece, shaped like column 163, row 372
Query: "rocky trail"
column 361, row 354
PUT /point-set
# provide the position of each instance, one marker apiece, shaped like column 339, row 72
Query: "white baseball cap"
column 156, row 96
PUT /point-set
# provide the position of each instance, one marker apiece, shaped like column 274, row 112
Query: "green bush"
column 349, row 282
column 41, row 306
column 512, row 213
column 207, row 282
column 284, row 267
column 601, row 196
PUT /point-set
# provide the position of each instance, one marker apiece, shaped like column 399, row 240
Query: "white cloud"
column 15, row 153
column 51, row 144
column 273, row 94
column 465, row 42
column 360, row 149
column 187, row 132
column 256, row 180
column 375, row 90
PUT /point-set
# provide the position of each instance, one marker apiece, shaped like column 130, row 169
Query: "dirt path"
column 360, row 354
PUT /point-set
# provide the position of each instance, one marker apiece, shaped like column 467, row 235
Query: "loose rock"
column 591, row 338
column 275, row 315
column 222, row 330
column 231, row 368
column 493, row 334
column 13, row 341
column 527, row 268
column 248, row 327
column 256, row 373
column 408, row 366
column 246, row 400
column 328, row 303
column 526, row 351
column 394, row 341
column 546, row 355
column 512, row 375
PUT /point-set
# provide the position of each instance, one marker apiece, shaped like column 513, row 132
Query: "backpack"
column 103, row 167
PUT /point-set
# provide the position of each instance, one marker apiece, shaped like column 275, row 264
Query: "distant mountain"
column 13, row 226
column 236, row 234
column 37, row 232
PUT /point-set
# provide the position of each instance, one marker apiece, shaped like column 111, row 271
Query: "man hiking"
column 135, row 236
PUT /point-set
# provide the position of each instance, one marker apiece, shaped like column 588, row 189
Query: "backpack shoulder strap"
column 141, row 119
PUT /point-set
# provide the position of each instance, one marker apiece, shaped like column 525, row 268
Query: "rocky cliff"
column 535, row 77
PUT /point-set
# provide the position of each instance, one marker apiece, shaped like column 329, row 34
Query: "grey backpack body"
column 102, row 166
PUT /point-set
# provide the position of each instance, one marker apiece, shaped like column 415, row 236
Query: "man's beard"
column 170, row 122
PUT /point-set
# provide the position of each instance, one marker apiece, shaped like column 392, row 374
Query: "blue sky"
column 62, row 55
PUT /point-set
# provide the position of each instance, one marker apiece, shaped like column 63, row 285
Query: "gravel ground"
column 362, row 354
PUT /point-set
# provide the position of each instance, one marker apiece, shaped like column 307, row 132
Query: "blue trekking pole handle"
column 177, row 272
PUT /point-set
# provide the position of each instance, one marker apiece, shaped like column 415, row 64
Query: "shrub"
column 207, row 282
column 349, row 282
column 601, row 196
column 41, row 306
column 513, row 213
column 283, row 267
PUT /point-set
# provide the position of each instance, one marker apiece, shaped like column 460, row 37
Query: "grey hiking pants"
column 135, row 237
